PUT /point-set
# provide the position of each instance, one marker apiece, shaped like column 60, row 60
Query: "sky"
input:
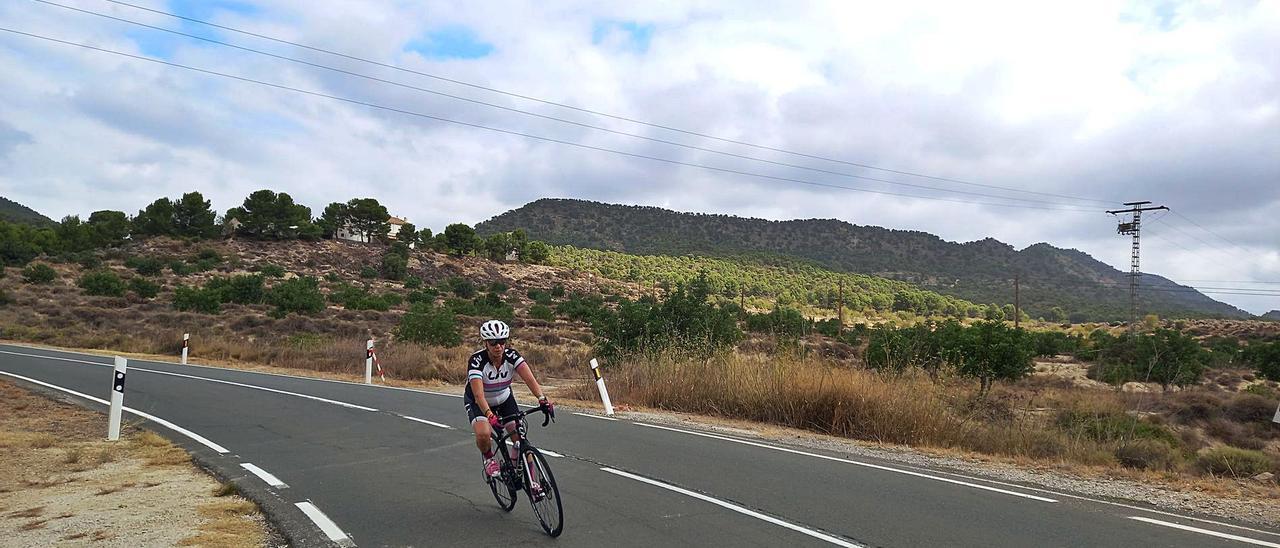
column 1019, row 121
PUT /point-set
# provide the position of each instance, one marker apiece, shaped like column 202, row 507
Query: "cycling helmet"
column 494, row 329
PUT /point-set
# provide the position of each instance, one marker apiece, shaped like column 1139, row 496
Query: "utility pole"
column 1017, row 305
column 1133, row 228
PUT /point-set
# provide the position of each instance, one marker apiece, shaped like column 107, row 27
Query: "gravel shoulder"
column 63, row 484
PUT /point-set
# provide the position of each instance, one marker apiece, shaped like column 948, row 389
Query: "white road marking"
column 848, row 461
column 425, row 421
column 263, row 388
column 815, row 534
column 550, row 453
column 197, row 437
column 595, row 416
column 60, row 359
column 264, row 475
column 1207, row 532
column 326, row 525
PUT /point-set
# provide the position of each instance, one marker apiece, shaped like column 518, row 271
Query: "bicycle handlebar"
column 548, row 416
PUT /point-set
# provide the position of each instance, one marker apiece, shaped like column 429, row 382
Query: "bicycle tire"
column 549, row 511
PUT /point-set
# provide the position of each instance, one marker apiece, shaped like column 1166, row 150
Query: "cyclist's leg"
column 507, row 408
column 480, row 425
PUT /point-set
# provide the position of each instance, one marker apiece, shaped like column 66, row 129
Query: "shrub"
column 147, row 266
column 180, row 268
column 301, row 295
column 1262, row 390
column 208, row 254
column 88, row 260
column 1108, row 427
column 271, row 270
column 1147, row 454
column 541, row 312
column 498, row 287
column 144, row 288
column 462, row 287
column 39, row 273
column 557, row 291
column 412, row 282
column 539, row 296
column 242, row 289
column 102, row 282
column 427, row 295
column 1250, row 408
column 394, row 266
column 430, row 325
column 197, row 300
column 1233, row 461
column 331, row 277
column 5, row 298
column 368, row 272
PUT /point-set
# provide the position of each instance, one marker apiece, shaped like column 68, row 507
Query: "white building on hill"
column 348, row 232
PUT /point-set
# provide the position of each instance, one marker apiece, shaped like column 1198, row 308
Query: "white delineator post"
column 117, row 399
column 604, row 392
column 186, row 338
column 368, row 362
column 1277, row 417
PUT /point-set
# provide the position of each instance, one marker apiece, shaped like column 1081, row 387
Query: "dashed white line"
column 550, row 453
column 264, row 475
column 595, row 416
column 425, row 421
column 854, row 462
column 1206, row 532
column 263, row 388
column 197, row 437
column 736, row 508
column 326, row 525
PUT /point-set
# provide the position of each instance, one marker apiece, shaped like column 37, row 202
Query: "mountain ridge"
column 981, row 271
column 14, row 212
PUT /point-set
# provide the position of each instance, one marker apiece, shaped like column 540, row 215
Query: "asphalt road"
column 395, row 467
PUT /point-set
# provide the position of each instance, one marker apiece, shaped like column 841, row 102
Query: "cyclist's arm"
column 526, row 374
column 477, row 392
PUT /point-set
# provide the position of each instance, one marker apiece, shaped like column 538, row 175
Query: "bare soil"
column 63, row 484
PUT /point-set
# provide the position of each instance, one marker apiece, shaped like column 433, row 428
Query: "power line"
column 527, row 135
column 1229, row 242
column 595, row 112
column 546, row 117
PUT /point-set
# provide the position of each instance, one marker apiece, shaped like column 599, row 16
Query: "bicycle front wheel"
column 546, row 503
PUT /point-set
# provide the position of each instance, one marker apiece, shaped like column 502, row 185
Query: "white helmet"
column 494, row 329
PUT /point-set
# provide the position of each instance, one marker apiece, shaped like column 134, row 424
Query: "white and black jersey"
column 496, row 377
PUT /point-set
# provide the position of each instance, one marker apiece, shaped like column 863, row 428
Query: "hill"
column 1274, row 316
column 14, row 212
column 981, row 271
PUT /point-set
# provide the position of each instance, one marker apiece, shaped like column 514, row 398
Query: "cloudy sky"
column 1080, row 106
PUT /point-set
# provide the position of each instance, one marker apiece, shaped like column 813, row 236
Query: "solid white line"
column 325, row 524
column 1207, row 532
column 264, row 475
column 197, row 437
column 595, row 416
column 550, row 453
column 868, row 465
column 60, row 359
column 263, row 388
column 424, row 421
column 738, row 509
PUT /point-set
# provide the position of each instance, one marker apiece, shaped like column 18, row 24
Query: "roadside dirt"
column 63, row 484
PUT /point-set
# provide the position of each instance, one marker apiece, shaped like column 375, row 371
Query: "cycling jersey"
column 496, row 378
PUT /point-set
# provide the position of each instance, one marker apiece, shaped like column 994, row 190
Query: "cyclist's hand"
column 493, row 419
column 546, row 404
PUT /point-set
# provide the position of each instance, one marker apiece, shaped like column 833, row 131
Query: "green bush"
column 557, row 291
column 332, row 277
column 241, row 289
column 180, row 268
column 1262, row 390
column 412, row 282
column 1111, row 427
column 88, row 260
column 39, row 273
column 271, row 270
column 208, row 254
column 103, row 283
column 541, row 312
column 144, row 288
column 498, row 287
column 368, row 272
column 1147, row 454
column 539, row 296
column 301, row 295
column 394, row 266
column 430, row 325
column 197, row 300
column 462, row 287
column 427, row 295
column 147, row 266
column 1232, row 461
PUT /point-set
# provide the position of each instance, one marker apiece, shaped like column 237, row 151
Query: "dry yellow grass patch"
column 54, row 461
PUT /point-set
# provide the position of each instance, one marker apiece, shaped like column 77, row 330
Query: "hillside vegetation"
column 14, row 212
column 1073, row 283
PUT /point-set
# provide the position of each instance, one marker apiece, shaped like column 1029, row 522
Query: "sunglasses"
column 496, row 342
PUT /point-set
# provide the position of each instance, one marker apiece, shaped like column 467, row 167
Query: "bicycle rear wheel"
column 548, row 509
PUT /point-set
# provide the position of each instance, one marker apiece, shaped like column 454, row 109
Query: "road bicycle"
column 529, row 473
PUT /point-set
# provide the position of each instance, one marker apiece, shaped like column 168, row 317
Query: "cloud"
column 1178, row 103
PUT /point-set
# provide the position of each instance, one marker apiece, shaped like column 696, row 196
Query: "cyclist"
column 488, row 395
